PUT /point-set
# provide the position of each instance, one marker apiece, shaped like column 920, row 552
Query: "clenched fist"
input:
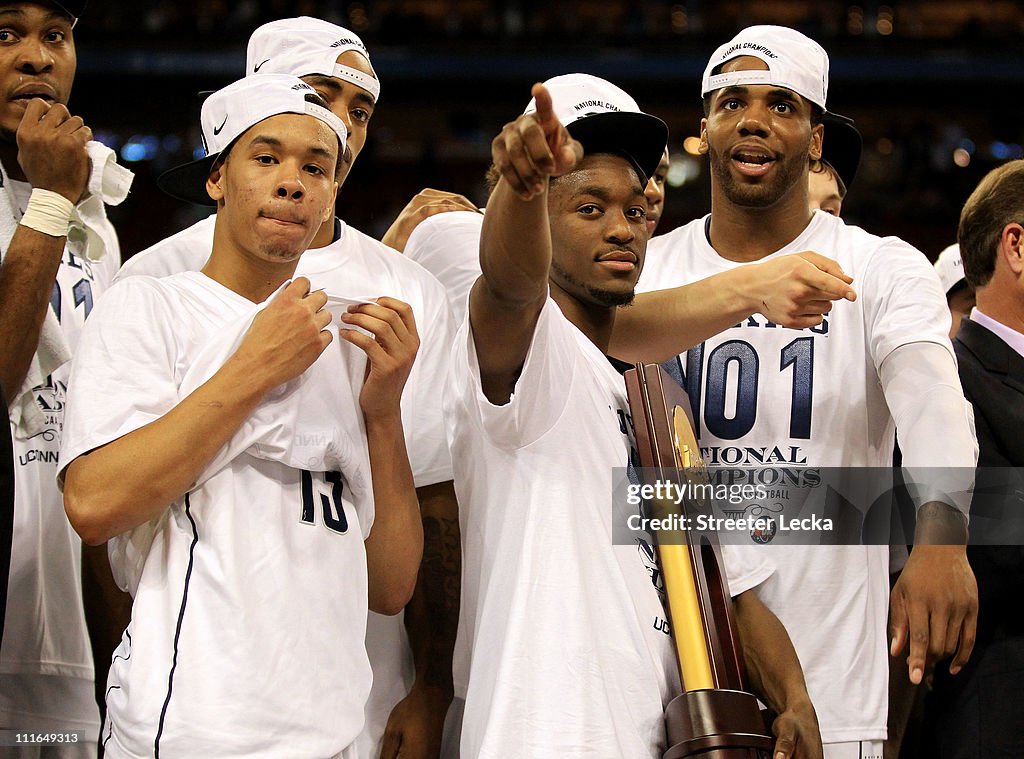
column 51, row 149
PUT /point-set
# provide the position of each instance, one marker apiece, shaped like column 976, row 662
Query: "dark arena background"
column 932, row 85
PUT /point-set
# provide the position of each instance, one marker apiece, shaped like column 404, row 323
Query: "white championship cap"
column 605, row 119
column 305, row 45
column 795, row 62
column 230, row 112
column 950, row 268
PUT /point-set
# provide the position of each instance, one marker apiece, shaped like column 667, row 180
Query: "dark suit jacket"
column 980, row 712
column 992, row 374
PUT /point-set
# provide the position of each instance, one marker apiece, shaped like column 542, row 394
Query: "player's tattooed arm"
column 792, row 291
column 432, row 618
column 774, row 674
column 416, row 724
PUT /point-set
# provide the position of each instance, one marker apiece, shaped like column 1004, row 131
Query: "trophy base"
column 716, row 724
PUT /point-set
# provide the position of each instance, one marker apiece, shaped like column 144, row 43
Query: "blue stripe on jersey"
column 177, row 632
column 129, row 656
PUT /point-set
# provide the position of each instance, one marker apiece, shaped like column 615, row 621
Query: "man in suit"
column 980, row 713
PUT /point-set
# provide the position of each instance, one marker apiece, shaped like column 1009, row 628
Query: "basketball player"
column 48, row 284
column 567, row 656
column 331, row 59
column 430, row 202
column 830, row 396
column 220, row 431
column 343, row 260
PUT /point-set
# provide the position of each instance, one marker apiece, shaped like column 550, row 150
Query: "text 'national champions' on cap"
column 604, row 118
column 795, row 62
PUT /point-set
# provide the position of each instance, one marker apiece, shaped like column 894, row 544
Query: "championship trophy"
column 714, row 717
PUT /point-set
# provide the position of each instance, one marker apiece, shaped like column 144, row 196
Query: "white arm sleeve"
column 934, row 422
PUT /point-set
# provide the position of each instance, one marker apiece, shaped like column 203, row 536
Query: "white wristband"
column 48, row 212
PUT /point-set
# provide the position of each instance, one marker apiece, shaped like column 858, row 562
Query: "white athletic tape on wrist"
column 368, row 82
column 48, row 212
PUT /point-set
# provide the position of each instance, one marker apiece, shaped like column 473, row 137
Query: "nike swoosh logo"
column 216, row 130
column 258, row 66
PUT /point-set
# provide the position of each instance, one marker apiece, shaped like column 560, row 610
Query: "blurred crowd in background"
column 930, row 84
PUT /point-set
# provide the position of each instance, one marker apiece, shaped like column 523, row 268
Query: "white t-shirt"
column 570, row 654
column 366, row 267
column 357, row 265
column 46, row 667
column 187, row 250
column 247, row 628
column 813, row 397
column 354, row 265
column 448, row 246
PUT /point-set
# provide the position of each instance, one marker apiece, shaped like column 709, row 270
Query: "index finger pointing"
column 545, row 113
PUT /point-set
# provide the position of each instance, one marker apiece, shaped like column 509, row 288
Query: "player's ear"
column 329, row 211
column 702, row 148
column 817, row 141
column 1011, row 247
column 214, row 182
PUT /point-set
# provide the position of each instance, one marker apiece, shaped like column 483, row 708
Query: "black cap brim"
column 842, row 146
column 638, row 137
column 188, row 181
column 70, row 7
